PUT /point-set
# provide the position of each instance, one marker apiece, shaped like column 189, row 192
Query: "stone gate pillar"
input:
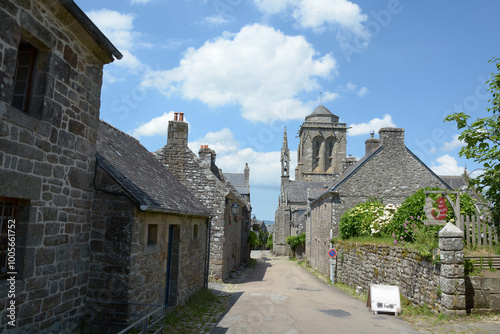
column 452, row 280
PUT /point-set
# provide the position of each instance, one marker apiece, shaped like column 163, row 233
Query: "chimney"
column 371, row 143
column 207, row 156
column 247, row 174
column 393, row 138
column 177, row 131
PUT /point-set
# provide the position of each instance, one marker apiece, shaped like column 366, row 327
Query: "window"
column 195, row 231
column 317, row 141
column 329, row 153
column 7, row 219
column 24, row 76
column 152, row 234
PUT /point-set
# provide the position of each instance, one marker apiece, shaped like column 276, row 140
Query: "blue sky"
column 242, row 70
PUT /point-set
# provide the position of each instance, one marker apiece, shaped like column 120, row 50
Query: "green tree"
column 253, row 240
column 482, row 142
column 269, row 243
column 296, row 240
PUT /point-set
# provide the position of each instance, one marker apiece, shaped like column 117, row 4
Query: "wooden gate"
column 477, row 232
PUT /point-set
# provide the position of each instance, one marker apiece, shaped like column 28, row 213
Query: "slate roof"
column 143, row 176
column 297, row 190
column 353, row 169
column 321, row 111
column 238, row 182
column 455, row 182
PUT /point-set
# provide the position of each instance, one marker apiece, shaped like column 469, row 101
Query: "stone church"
column 321, row 158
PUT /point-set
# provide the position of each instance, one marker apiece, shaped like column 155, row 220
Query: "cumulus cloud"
column 222, row 142
column 446, row 165
column 318, row 14
column 158, row 126
column 259, row 68
column 119, row 29
column 373, row 125
column 453, row 144
column 218, row 20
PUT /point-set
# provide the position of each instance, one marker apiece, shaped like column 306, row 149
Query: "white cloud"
column 265, row 167
column 353, row 88
column 453, row 144
column 139, row 1
column 318, row 14
column 119, row 29
column 259, row 68
column 447, row 165
column 218, row 20
column 373, row 125
column 158, row 126
column 222, row 142
column 362, row 91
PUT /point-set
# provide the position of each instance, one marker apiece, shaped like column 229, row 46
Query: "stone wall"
column 482, row 294
column 47, row 158
column 363, row 265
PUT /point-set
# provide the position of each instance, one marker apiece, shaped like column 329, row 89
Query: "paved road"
column 280, row 297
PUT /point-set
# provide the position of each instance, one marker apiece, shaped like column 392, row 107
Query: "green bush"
column 409, row 218
column 357, row 221
column 253, row 240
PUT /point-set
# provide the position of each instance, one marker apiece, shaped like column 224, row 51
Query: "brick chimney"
column 371, row 143
column 393, row 138
column 177, row 131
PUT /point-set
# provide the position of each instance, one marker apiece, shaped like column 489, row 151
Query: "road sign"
column 332, row 253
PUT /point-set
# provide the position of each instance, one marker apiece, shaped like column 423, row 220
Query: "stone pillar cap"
column 450, row 231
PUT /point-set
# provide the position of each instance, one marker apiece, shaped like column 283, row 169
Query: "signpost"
column 435, row 207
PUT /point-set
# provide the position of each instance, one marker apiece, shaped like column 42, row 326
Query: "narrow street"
column 278, row 296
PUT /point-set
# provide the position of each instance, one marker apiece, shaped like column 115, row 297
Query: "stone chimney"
column 393, row 138
column 247, row 174
column 348, row 162
column 371, row 143
column 207, row 156
column 177, row 131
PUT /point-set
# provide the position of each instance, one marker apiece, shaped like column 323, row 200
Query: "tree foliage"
column 482, row 142
column 296, row 240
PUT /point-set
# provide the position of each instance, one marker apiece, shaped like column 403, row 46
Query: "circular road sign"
column 332, row 253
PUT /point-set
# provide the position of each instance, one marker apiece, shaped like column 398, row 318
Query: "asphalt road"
column 280, row 297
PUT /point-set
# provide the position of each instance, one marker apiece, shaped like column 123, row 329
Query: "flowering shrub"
column 357, row 221
column 379, row 225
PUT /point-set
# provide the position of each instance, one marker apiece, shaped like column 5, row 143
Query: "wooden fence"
column 477, row 232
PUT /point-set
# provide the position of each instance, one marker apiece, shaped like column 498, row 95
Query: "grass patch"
column 369, row 240
column 202, row 307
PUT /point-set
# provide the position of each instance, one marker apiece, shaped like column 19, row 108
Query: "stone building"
column 52, row 58
column 388, row 170
column 230, row 211
column 140, row 214
column 320, row 159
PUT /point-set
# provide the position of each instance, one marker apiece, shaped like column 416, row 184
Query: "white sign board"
column 384, row 298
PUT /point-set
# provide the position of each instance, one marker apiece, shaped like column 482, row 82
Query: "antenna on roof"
column 321, row 98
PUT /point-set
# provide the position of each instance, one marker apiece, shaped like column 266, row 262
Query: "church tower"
column 322, row 146
column 285, row 160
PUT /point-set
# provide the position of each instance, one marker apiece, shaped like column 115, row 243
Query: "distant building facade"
column 230, row 210
column 320, row 158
